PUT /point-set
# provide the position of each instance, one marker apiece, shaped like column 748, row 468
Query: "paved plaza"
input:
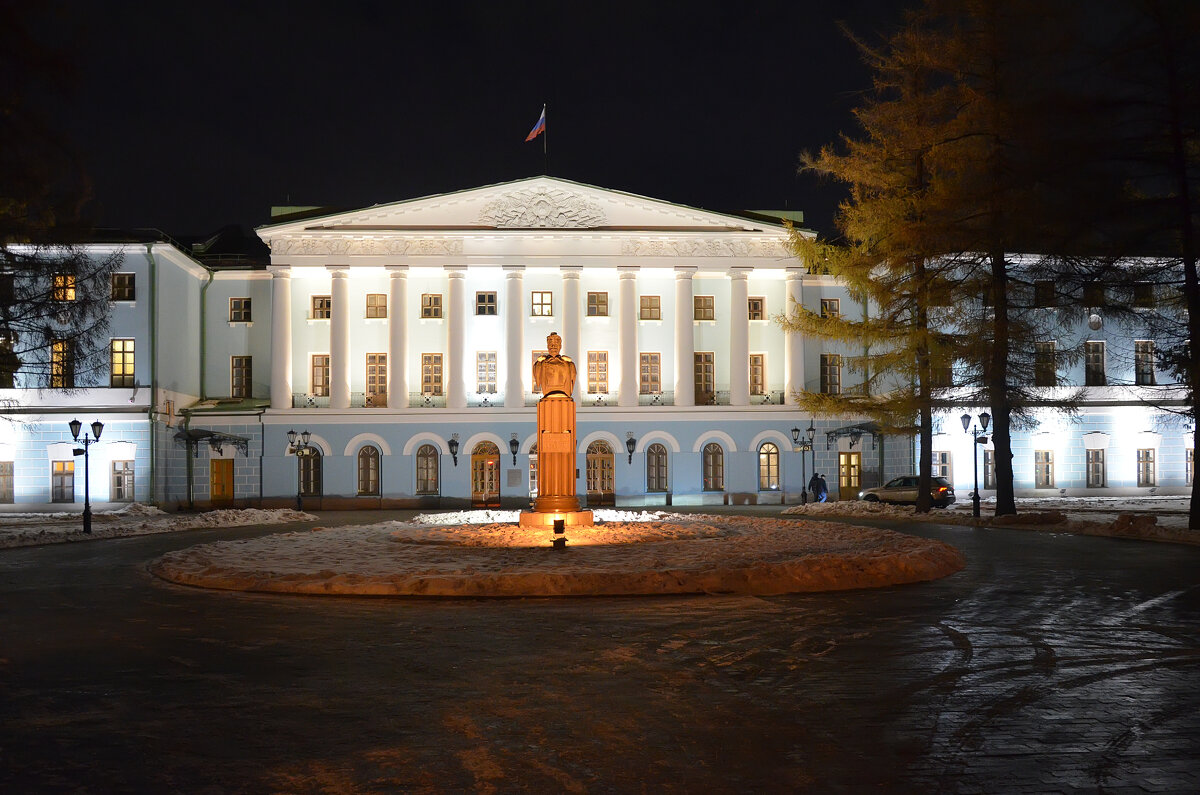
column 1050, row 663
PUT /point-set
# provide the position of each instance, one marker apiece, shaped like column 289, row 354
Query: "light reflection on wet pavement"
column 1052, row 663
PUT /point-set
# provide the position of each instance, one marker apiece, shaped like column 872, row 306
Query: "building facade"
column 400, row 339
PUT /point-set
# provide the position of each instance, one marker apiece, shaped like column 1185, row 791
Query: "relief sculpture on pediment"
column 542, row 208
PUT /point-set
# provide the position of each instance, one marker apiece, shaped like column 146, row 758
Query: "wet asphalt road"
column 1052, row 663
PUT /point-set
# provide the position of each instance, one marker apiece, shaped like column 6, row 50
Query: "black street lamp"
column 97, row 427
column 453, row 445
column 630, row 444
column 976, row 439
column 804, row 446
column 513, row 447
column 301, row 449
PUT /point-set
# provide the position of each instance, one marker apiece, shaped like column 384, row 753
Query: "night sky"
column 194, row 117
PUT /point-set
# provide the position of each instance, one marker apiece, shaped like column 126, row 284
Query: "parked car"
column 904, row 490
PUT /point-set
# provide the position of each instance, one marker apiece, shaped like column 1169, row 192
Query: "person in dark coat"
column 822, row 489
column 813, row 484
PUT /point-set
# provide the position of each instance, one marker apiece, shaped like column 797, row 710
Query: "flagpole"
column 546, row 144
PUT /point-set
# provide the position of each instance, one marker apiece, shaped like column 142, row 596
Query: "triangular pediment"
column 537, row 203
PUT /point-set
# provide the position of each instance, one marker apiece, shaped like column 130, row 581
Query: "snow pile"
column 1147, row 518
column 20, row 530
column 672, row 555
column 477, row 516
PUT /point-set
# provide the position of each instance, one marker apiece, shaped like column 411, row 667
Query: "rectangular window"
column 9, row 363
column 485, row 303
column 62, row 481
column 64, row 287
column 1043, row 364
column 485, row 372
column 705, row 376
column 703, row 308
column 651, row 308
column 831, row 373
column 1143, row 295
column 756, row 308
column 1043, row 293
column 7, row 482
column 122, row 482
column 431, row 374
column 1043, row 469
column 1093, row 295
column 758, row 374
column 597, row 304
column 239, row 376
column 989, row 469
column 831, row 307
column 1097, row 474
column 239, row 310
column 431, row 305
column 1146, row 475
column 62, row 364
column 1190, row 466
column 650, row 382
column 597, row 372
column 941, row 464
column 1093, row 364
column 376, row 305
column 322, row 307
column 123, row 287
column 1143, row 362
column 537, row 388
column 320, row 375
column 542, row 303
column 121, row 358
column 376, row 380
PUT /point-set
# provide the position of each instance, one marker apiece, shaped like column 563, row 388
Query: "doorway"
column 601, row 489
column 849, row 475
column 485, row 475
column 220, row 481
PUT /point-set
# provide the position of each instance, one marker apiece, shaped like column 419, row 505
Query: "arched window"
column 714, row 467
column 309, row 473
column 600, row 474
column 427, row 469
column 656, row 468
column 768, row 467
column 368, row 471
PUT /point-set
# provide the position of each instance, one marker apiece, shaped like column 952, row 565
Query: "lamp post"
column 301, row 449
column 97, row 428
column 976, row 439
column 804, row 446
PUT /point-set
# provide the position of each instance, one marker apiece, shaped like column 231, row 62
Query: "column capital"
column 513, row 268
column 280, row 271
column 397, row 271
column 627, row 271
column 795, row 273
column 456, row 271
column 740, row 274
column 338, row 271
column 685, row 272
column 570, row 271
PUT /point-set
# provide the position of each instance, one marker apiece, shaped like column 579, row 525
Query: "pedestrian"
column 813, row 483
column 822, row 489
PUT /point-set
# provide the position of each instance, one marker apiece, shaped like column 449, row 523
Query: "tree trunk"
column 997, row 388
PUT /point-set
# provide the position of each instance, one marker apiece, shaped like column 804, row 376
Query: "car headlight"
column 861, row 494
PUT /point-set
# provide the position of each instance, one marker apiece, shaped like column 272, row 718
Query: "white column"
column 570, row 332
column 627, row 344
column 281, row 336
column 397, row 372
column 685, row 339
column 514, row 335
column 739, row 337
column 339, row 338
column 793, row 345
column 456, row 385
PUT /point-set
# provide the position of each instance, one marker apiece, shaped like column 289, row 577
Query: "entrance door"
column 220, row 480
column 600, row 480
column 485, row 475
column 849, row 475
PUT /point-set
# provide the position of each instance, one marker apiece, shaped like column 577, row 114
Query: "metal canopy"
column 193, row 437
column 855, row 432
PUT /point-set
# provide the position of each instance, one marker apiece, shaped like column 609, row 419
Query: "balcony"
column 772, row 398
column 302, row 400
column 712, row 398
column 484, row 400
column 656, row 399
column 368, row 400
column 420, row 400
column 599, row 399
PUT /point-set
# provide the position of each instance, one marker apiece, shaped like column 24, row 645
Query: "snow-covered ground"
column 29, row 529
column 1150, row 518
column 486, row 553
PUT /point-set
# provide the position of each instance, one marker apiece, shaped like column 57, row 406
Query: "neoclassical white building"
column 400, row 338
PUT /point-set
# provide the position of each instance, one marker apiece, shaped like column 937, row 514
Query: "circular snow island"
column 489, row 554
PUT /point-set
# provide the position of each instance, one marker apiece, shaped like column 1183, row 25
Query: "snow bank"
column 20, row 530
column 672, row 554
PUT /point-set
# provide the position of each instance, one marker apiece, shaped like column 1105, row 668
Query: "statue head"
column 554, row 343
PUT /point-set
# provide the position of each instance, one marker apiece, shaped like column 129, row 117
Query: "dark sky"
column 191, row 116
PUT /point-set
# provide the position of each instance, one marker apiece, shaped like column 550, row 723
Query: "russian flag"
column 538, row 128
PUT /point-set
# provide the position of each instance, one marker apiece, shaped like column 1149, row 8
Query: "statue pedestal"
column 546, row 520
